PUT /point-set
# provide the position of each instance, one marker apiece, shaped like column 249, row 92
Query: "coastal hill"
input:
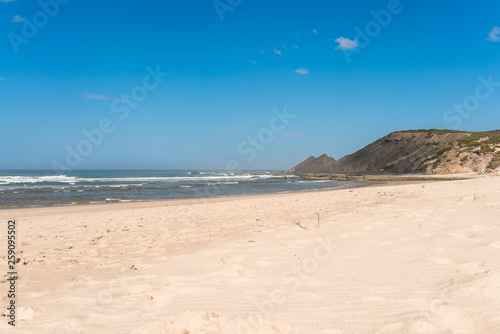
column 415, row 151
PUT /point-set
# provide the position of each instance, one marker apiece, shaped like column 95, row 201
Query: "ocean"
column 46, row 188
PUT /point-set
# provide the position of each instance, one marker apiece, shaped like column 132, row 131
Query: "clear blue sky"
column 227, row 76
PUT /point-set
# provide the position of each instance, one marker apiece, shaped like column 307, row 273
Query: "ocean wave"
column 37, row 179
column 179, row 178
column 46, row 187
column 74, row 180
column 219, row 183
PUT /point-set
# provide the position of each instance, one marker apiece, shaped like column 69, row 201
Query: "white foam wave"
column 37, row 179
column 239, row 177
column 73, row 180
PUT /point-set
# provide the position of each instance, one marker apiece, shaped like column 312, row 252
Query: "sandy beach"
column 405, row 258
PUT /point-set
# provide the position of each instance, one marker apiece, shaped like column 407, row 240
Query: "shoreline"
column 355, row 184
column 88, row 207
column 357, row 181
column 392, row 177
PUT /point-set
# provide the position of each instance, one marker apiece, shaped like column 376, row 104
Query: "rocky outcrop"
column 321, row 164
column 415, row 151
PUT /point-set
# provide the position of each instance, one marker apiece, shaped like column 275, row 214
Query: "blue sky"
column 230, row 64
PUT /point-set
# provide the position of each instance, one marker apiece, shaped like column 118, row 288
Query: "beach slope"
column 414, row 258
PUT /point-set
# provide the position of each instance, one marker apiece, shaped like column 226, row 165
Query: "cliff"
column 415, row 151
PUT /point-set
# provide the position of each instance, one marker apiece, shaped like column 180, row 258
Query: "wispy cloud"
column 95, row 97
column 494, row 35
column 307, row 32
column 346, row 44
column 253, row 62
column 278, row 52
column 3, row 79
column 302, row 70
column 7, row 0
column 17, row 18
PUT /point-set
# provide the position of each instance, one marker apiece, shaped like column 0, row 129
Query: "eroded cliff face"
column 416, row 151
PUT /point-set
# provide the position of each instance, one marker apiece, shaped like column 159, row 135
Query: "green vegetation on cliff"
column 416, row 151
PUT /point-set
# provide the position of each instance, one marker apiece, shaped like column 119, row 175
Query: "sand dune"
column 415, row 258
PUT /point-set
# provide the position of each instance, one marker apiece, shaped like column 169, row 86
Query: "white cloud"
column 7, row 0
column 278, row 52
column 17, row 18
column 302, row 70
column 95, row 96
column 315, row 31
column 3, row 79
column 346, row 44
column 494, row 35
column 253, row 62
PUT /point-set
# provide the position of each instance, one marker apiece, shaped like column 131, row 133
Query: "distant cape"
column 415, row 151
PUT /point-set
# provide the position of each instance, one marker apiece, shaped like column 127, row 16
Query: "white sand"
column 418, row 258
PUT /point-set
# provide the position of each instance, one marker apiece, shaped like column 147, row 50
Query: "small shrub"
column 487, row 149
column 489, row 137
column 433, row 131
column 494, row 164
column 443, row 151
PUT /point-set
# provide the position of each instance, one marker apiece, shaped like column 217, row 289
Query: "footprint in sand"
column 245, row 266
column 495, row 244
column 439, row 260
column 25, row 313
